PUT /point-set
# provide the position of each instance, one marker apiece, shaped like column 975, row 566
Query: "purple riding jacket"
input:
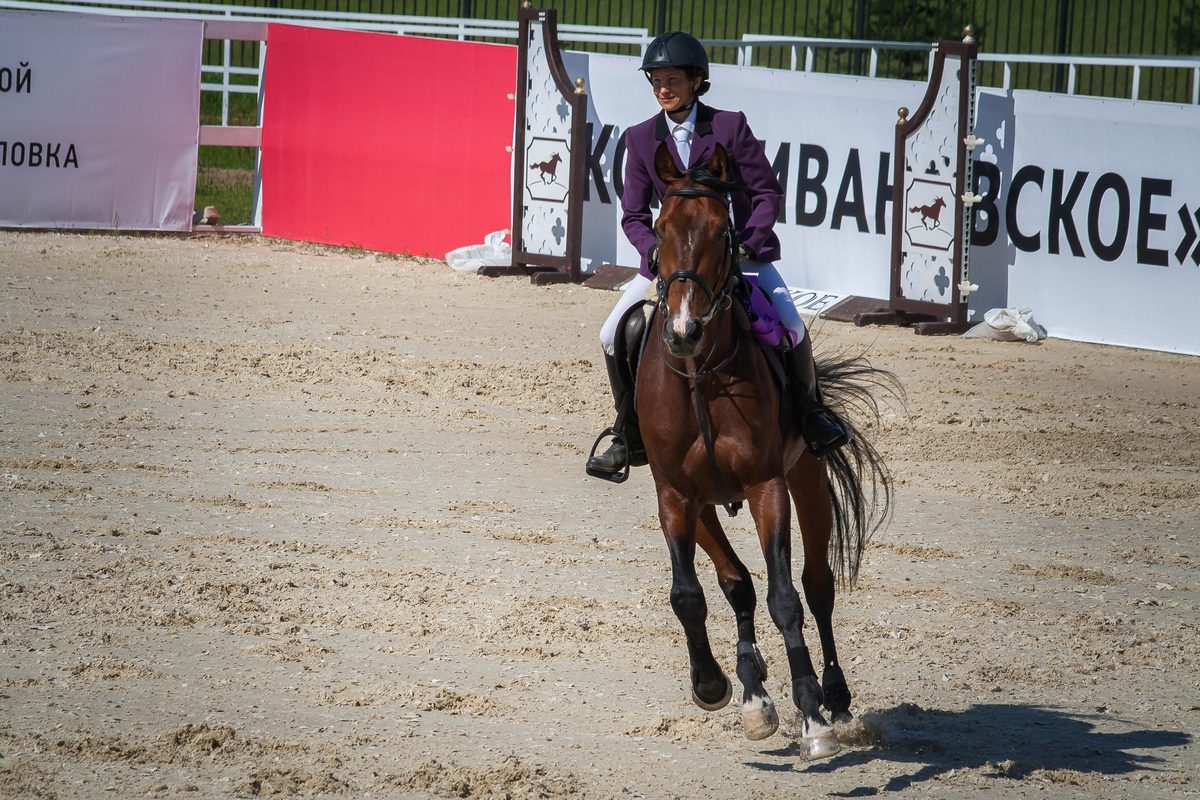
column 755, row 209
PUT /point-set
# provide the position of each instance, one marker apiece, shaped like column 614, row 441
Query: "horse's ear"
column 664, row 164
column 718, row 163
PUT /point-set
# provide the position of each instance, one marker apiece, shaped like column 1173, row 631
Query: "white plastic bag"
column 1008, row 325
column 494, row 252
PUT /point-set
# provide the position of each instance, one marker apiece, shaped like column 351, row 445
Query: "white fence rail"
column 1073, row 63
column 809, row 46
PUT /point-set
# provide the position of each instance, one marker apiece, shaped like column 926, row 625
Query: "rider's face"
column 672, row 88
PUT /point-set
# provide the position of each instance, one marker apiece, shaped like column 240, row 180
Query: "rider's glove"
column 745, row 254
column 652, row 259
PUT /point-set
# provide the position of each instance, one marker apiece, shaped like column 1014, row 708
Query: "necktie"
column 683, row 143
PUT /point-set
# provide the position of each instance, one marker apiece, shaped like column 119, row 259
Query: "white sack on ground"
column 1008, row 325
column 494, row 252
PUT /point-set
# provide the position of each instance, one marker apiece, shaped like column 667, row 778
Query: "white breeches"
column 768, row 278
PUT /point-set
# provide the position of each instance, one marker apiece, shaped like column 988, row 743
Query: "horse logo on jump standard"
column 548, row 168
column 549, row 162
column 930, row 215
column 926, row 221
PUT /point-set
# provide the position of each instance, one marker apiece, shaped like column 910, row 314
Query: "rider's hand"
column 745, row 254
column 652, row 259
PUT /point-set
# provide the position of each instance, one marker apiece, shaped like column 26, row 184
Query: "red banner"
column 392, row 143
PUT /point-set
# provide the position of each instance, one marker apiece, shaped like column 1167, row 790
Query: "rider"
column 676, row 65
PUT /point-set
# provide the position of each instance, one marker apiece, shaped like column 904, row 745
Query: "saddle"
column 754, row 315
column 630, row 341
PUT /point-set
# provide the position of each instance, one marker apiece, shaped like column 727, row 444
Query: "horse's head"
column 695, row 248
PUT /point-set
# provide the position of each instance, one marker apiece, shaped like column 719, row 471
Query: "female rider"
column 676, row 65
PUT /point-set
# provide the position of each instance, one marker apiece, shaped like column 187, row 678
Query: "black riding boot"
column 822, row 429
column 626, row 448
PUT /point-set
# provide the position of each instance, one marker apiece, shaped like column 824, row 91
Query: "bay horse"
column 709, row 412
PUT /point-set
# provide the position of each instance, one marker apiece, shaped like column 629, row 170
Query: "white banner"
column 830, row 138
column 99, row 121
column 1091, row 216
column 1105, row 194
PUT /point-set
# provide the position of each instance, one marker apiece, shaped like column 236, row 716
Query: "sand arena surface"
column 286, row 520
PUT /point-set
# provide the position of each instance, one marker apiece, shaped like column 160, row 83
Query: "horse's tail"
column 859, row 482
column 914, row 208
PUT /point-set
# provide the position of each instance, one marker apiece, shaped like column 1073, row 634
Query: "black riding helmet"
column 677, row 49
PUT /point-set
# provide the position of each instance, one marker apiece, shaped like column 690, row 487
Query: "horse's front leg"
column 759, row 718
column 711, row 688
column 771, row 507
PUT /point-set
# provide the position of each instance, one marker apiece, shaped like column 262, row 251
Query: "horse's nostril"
column 693, row 330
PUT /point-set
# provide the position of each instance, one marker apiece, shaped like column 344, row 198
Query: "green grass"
column 225, row 178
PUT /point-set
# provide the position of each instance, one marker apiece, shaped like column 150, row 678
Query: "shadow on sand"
column 1008, row 741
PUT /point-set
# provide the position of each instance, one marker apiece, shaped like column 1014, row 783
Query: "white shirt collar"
column 689, row 123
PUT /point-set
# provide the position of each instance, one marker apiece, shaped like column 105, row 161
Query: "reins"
column 717, row 302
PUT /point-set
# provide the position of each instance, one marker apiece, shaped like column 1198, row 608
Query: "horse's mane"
column 700, row 175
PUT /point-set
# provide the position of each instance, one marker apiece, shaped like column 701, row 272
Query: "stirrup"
column 843, row 438
column 621, row 475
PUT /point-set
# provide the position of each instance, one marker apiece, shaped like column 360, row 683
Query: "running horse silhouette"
column 709, row 409
column 548, row 167
column 930, row 212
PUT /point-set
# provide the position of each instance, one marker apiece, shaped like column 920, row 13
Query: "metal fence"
column 1161, row 29
column 1080, row 27
column 1158, row 28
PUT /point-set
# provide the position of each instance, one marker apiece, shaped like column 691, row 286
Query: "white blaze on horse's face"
column 680, row 320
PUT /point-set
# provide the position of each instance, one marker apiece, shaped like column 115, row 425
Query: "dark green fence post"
column 859, row 32
column 1062, row 41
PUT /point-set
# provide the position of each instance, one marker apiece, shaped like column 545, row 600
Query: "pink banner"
column 386, row 142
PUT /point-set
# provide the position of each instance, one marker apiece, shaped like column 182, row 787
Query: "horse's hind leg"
column 711, row 688
column 772, row 515
column 809, row 483
column 759, row 718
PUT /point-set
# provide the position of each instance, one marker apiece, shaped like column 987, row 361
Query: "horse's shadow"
column 1009, row 741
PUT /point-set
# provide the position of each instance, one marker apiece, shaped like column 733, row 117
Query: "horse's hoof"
column 759, row 719
column 719, row 704
column 823, row 747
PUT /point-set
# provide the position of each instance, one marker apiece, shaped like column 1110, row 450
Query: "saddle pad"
column 764, row 319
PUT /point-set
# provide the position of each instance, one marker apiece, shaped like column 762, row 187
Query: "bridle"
column 718, row 301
